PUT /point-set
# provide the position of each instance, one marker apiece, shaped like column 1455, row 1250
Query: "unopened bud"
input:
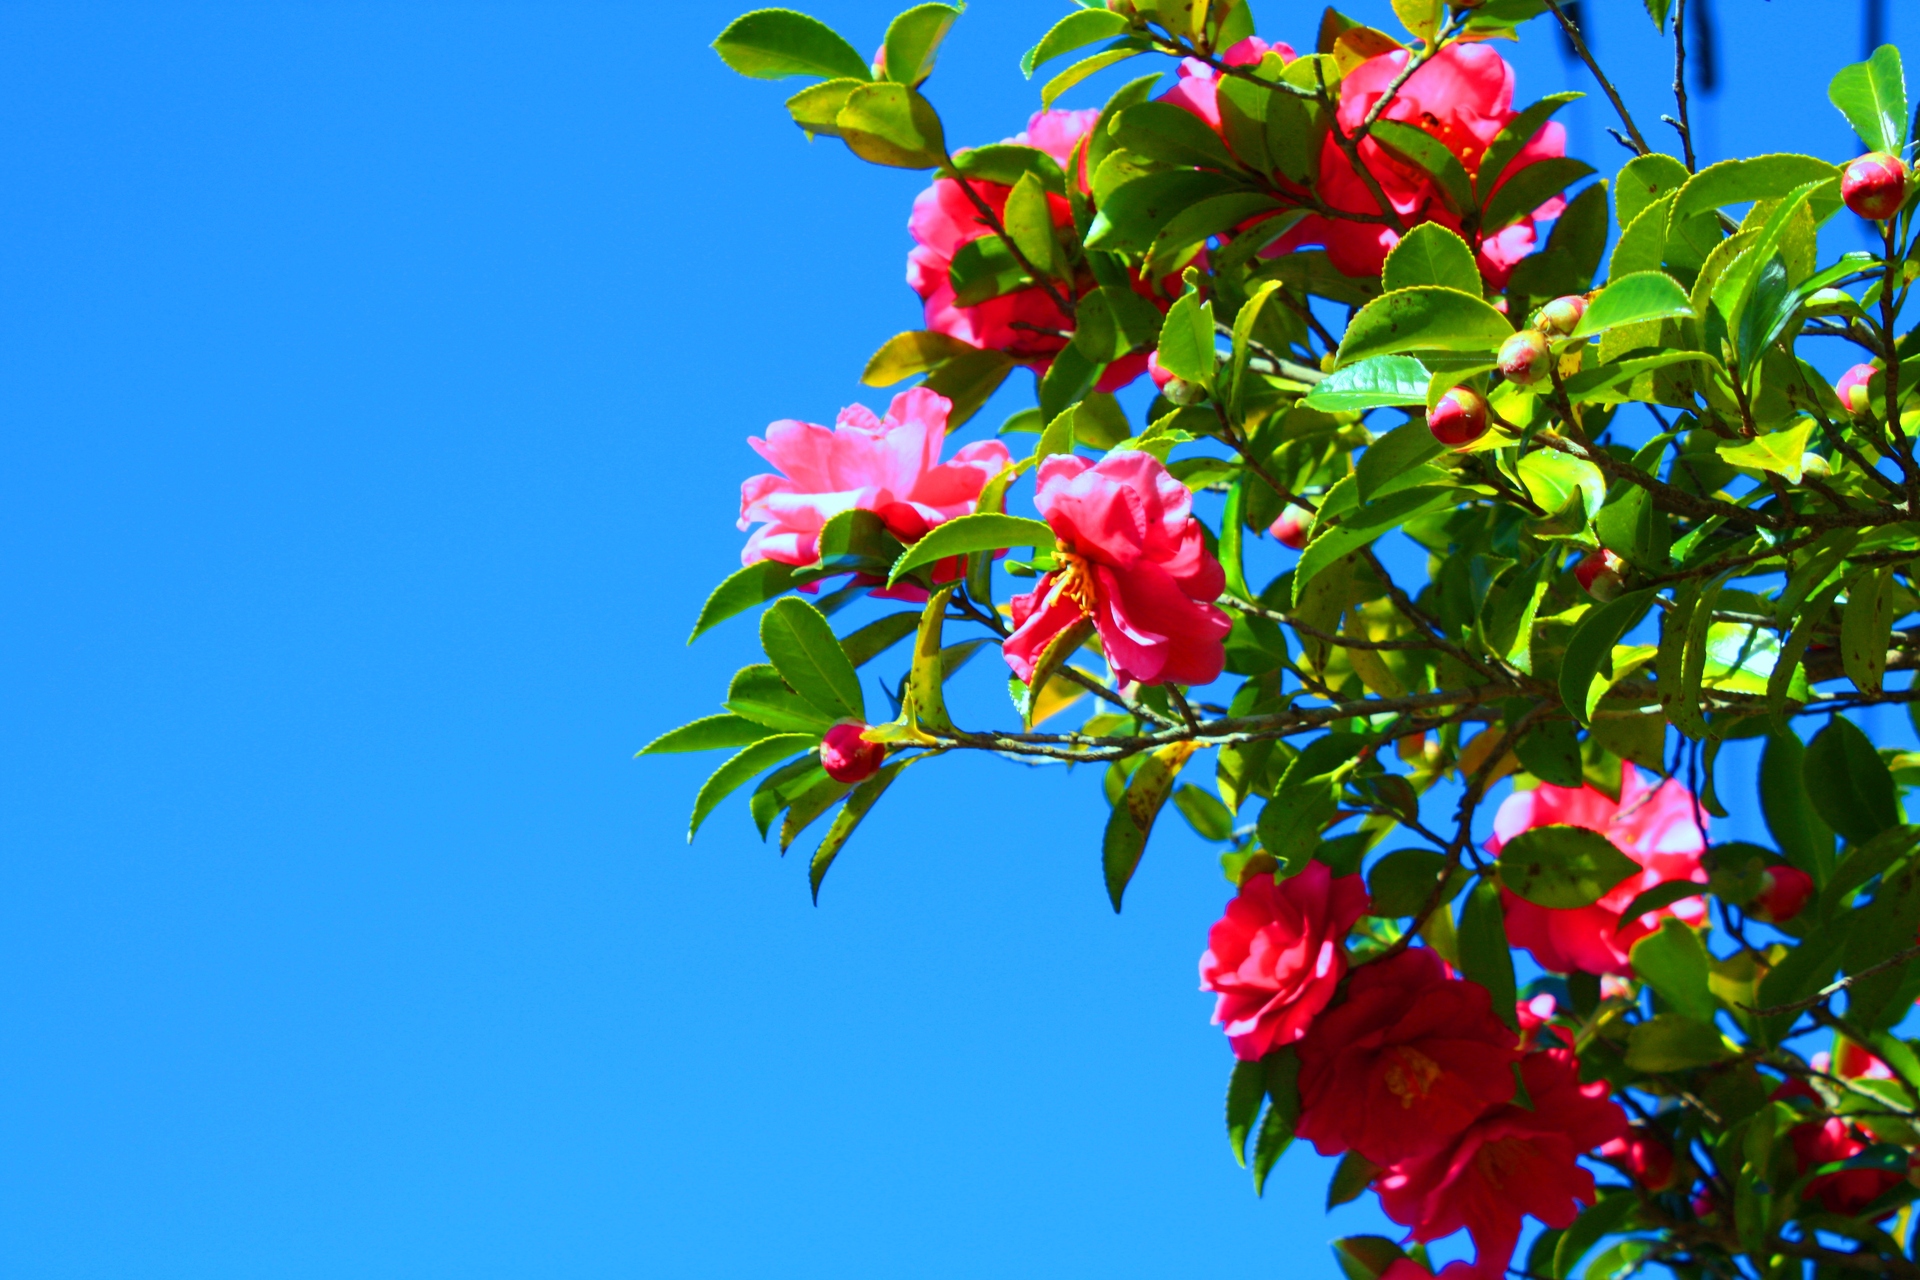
column 849, row 757
column 1875, row 186
column 1812, row 464
column 1601, row 574
column 1525, row 358
column 1855, row 388
column 1293, row 526
column 1783, row 892
column 1459, row 418
column 1561, row 315
column 1181, row 392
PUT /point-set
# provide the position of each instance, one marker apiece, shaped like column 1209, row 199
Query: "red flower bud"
column 1459, row 418
column 1784, row 891
column 1601, row 574
column 1875, row 185
column 1854, row 388
column 1524, row 358
column 847, row 757
column 1647, row 1157
column 1292, row 527
column 1561, row 315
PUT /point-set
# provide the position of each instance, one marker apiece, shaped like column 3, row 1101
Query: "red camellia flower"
column 1275, row 957
column 1407, row 1061
column 1408, row 1269
column 1848, row 1191
column 1511, row 1162
column 1026, row 324
column 1463, row 97
column 1654, row 826
column 890, row 466
column 1132, row 560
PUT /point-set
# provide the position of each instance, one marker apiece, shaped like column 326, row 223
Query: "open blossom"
column 1654, row 826
column 1132, row 560
column 890, row 466
column 1845, row 1191
column 1027, row 324
column 1407, row 1061
column 1511, row 1162
column 1198, row 89
column 1276, row 956
column 1464, row 97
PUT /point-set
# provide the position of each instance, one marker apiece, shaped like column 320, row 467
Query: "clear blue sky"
column 375, row 381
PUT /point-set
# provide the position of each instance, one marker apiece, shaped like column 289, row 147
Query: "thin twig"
column 1613, row 95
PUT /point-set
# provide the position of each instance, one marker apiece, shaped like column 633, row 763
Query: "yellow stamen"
column 1411, row 1075
column 1072, row 578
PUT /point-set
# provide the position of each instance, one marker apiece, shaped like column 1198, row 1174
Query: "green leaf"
column 1291, row 823
column 1796, row 826
column 1243, row 342
column 1372, row 384
column 744, row 588
column 1005, row 162
column 1079, row 71
column 807, row 802
column 985, row 268
column 1431, row 155
column 878, row 636
column 1634, row 299
column 858, row 805
column 1133, row 215
column 1350, row 1178
column 1423, row 318
column 977, row 532
column 1673, row 961
column 770, row 44
column 1866, row 628
column 1359, row 527
column 1059, row 649
column 1170, row 134
column 926, row 680
column 890, row 124
column 1075, row 31
column 1563, row 867
column 806, row 653
column 1779, row 453
column 1394, row 454
column 1276, row 1131
column 1029, row 223
column 1849, row 784
column 709, row 733
column 1431, row 254
column 906, row 354
column 816, row 108
column 968, row 380
column 1514, row 137
column 1738, row 181
column 1674, row 1042
column 1366, row 1257
column 1186, row 340
column 1608, row 1216
column 1246, row 1090
column 1400, row 883
column 1529, row 188
column 759, row 694
column 913, row 40
column 1553, row 479
column 1661, row 895
column 1591, row 649
column 1872, row 95
column 754, row 760
column 1485, row 957
column 1132, row 819
column 1641, row 183
column 1203, row 811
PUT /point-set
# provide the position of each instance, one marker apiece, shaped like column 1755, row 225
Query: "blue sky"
column 375, row 381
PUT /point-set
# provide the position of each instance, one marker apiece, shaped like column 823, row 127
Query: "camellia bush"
column 1650, row 527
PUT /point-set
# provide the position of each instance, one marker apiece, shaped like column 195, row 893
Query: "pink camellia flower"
column 1027, row 324
column 1511, row 1162
column 1652, row 825
column 1276, row 956
column 1198, row 88
column 1463, row 97
column 890, row 466
column 1131, row 558
column 1407, row 1061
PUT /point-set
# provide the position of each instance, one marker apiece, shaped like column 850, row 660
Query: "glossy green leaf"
column 1606, row 1217
column 1769, row 177
column 1553, row 479
column 1246, row 1090
column 1514, row 137
column 1431, row 155
column 1485, row 957
column 1673, row 961
column 770, row 44
column 890, row 124
column 816, row 108
column 1849, row 784
column 1423, row 318
column 878, row 636
column 1361, row 526
column 1186, row 340
column 800, row 642
column 1203, row 811
column 1563, row 867
column 1170, row 134
column 744, row 588
column 977, row 532
column 741, row 768
column 1282, row 1068
column 1075, row 31
column 1131, row 821
column 1591, row 649
column 1796, row 826
column 1133, row 215
column 759, row 694
column 1366, row 1257
column 1661, row 895
column 1529, row 188
column 1394, row 454
column 968, row 380
column 1291, row 823
column 1674, row 1042
column 1872, row 95
column 1079, row 71
column 1371, row 384
column 1431, row 254
column 1029, row 222
column 913, row 41
column 926, row 679
column 1401, row 883
column 906, row 354
column 1634, row 299
column 1781, row 452
column 1866, row 628
column 1350, row 1177
column 1641, row 183
column 709, row 733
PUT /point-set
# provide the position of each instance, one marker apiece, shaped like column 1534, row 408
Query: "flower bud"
column 1783, row 892
column 1156, row 371
column 1854, row 388
column 1559, row 317
column 1601, row 574
column 848, row 757
column 1459, row 418
column 1292, row 526
column 1875, row 186
column 1181, row 392
column 1524, row 358
column 1646, row 1155
column 1812, row 464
